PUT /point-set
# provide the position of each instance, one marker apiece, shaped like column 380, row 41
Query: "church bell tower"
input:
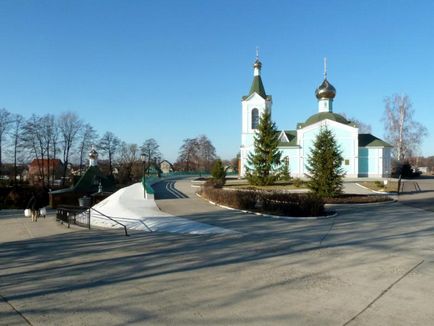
column 252, row 107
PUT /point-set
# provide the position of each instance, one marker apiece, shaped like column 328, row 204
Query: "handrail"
column 125, row 227
column 64, row 214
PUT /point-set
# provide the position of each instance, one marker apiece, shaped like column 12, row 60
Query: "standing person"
column 33, row 205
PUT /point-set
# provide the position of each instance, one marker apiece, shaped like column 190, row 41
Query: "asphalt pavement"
column 369, row 265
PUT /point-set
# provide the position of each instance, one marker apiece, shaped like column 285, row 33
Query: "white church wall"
column 244, row 152
column 292, row 153
column 346, row 137
column 252, row 102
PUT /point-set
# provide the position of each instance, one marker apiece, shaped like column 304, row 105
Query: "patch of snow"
column 128, row 206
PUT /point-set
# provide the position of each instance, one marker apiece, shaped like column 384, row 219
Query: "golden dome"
column 325, row 90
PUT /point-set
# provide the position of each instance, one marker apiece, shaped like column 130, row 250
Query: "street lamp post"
column 143, row 158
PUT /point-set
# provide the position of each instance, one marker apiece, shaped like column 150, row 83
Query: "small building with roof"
column 166, row 166
column 364, row 155
column 93, row 184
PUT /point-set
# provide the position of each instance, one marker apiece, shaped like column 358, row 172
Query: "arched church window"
column 255, row 118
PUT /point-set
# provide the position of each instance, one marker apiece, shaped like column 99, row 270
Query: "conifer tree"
column 324, row 166
column 265, row 159
column 218, row 173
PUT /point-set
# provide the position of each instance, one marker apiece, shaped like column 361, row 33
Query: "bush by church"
column 285, row 204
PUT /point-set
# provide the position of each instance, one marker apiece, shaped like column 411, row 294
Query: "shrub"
column 209, row 183
column 357, row 199
column 268, row 202
column 297, row 182
column 235, row 199
column 18, row 197
column 292, row 204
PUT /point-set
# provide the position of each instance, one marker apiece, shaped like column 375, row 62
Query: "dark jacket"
column 34, row 203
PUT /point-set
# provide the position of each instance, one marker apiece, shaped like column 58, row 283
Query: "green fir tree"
column 218, row 173
column 324, row 166
column 265, row 159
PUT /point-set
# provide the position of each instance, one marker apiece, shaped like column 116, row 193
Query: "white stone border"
column 291, row 218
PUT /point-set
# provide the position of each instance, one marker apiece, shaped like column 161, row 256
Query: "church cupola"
column 257, row 85
column 93, row 157
column 325, row 93
column 257, row 67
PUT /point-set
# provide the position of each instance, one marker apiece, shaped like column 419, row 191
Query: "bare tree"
column 206, row 153
column 88, row 137
column 34, row 141
column 129, row 162
column 49, row 130
column 109, row 144
column 188, row 154
column 150, row 149
column 402, row 131
column 196, row 154
column 69, row 127
column 364, row 128
column 6, row 120
column 54, row 139
column 40, row 136
column 16, row 140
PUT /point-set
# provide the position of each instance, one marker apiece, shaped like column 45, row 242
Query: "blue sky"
column 177, row 69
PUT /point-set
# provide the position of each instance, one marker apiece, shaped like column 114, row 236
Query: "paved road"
column 418, row 193
column 166, row 190
column 371, row 265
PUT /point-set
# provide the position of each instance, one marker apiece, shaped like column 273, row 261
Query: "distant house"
column 166, row 166
column 47, row 169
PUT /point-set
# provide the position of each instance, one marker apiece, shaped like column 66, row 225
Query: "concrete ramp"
column 128, row 206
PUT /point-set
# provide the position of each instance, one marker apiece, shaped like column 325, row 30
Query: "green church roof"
column 323, row 116
column 368, row 140
column 258, row 87
column 89, row 182
column 292, row 138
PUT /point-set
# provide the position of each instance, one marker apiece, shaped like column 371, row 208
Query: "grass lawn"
column 392, row 186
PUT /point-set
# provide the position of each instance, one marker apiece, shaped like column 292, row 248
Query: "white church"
column 364, row 155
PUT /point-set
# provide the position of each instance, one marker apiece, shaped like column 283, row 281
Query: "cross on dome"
column 325, row 90
column 325, row 67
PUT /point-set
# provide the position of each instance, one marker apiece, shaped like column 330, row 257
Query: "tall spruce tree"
column 324, row 165
column 264, row 161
